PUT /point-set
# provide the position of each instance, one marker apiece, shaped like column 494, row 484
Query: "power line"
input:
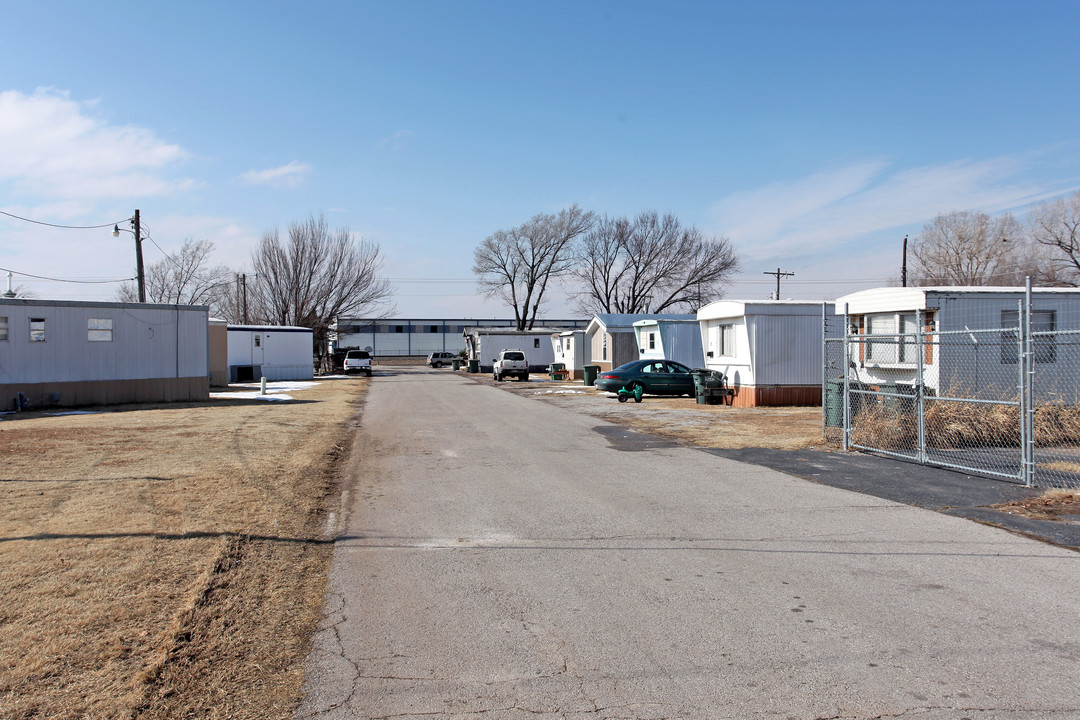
column 64, row 280
column 66, row 227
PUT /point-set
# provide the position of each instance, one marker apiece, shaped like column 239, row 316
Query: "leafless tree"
column 966, row 248
column 315, row 277
column 1056, row 226
column 972, row 248
column 184, row 278
column 651, row 264
column 518, row 265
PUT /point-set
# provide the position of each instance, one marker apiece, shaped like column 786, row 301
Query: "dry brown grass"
column 165, row 561
column 955, row 425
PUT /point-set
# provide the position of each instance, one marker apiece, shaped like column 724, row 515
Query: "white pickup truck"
column 358, row 361
column 510, row 363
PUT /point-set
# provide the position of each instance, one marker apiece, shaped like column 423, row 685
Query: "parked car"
column 656, row 377
column 438, row 359
column 357, row 361
column 510, row 363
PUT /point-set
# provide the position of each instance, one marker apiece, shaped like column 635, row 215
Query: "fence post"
column 1027, row 398
column 824, row 370
column 920, row 405
column 845, row 422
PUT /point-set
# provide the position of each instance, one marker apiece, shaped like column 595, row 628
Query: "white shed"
column 769, row 350
column 974, row 345
column 571, row 348
column 484, row 343
column 274, row 352
column 68, row 353
column 678, row 340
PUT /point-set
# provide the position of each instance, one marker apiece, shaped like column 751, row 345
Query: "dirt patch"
column 682, row 419
column 1060, row 505
column 166, row 561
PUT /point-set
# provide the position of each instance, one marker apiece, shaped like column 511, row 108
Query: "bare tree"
column 184, row 278
column 651, row 264
column 1056, row 226
column 517, row 265
column 967, row 248
column 316, row 277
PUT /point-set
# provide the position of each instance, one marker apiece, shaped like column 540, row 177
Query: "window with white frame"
column 652, row 341
column 722, row 340
column 896, row 342
column 3, row 327
column 99, row 329
column 603, row 351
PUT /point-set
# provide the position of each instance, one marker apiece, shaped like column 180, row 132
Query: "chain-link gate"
column 1002, row 402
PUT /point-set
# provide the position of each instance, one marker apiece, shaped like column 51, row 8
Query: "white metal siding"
column 148, row 341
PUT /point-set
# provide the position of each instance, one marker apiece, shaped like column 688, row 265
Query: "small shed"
column 612, row 339
column 571, row 348
column 484, row 343
column 56, row 353
column 678, row 340
column 769, row 350
column 274, row 352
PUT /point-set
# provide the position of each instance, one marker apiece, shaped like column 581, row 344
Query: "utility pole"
column 903, row 266
column 779, row 275
column 241, row 295
column 138, row 256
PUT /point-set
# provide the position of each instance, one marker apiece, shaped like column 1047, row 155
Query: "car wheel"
column 524, row 377
column 437, row 364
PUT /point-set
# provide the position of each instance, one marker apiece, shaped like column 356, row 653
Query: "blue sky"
column 813, row 135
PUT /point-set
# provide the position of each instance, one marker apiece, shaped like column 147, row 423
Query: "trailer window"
column 99, row 329
column 3, row 327
column 37, row 329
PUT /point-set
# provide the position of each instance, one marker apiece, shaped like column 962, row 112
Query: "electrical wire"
column 66, row 227
column 64, row 280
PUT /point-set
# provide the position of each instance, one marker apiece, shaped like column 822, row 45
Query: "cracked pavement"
column 505, row 558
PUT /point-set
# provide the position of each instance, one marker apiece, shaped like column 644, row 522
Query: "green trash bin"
column 591, row 371
column 834, row 403
column 456, row 363
column 556, row 367
column 474, row 366
column 700, row 376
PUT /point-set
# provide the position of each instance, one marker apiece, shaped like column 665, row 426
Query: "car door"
column 680, row 379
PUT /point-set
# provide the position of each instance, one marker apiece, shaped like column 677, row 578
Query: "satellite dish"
column 368, row 349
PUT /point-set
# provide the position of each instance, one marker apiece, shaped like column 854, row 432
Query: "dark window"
column 1044, row 347
column 433, row 328
column 399, row 328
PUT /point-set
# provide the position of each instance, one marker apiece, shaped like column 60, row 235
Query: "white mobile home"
column 274, row 352
column 483, row 344
column 678, row 340
column 65, row 353
column 973, row 346
column 612, row 339
column 769, row 350
column 572, row 349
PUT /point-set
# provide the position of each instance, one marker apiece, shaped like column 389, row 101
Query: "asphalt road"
column 506, row 558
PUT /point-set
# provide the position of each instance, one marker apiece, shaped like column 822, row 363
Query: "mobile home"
column 65, row 353
column 274, row 352
column 769, row 350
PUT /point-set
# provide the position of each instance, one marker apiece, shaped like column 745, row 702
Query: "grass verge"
column 166, row 561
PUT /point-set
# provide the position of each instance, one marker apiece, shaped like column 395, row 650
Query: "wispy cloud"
column 396, row 141
column 833, row 207
column 53, row 146
column 291, row 175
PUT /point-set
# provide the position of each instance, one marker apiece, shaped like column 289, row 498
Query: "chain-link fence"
column 998, row 397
